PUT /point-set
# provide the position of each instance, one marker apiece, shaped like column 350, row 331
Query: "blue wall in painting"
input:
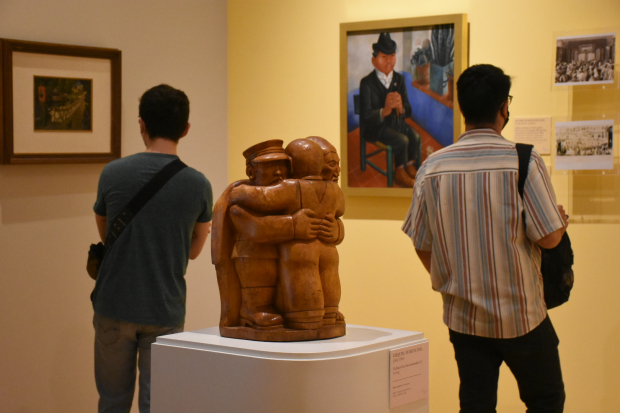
column 434, row 117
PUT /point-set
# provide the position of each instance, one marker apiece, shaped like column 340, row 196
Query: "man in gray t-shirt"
column 140, row 290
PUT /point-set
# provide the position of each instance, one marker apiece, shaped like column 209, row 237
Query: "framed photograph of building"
column 397, row 98
column 584, row 145
column 585, row 60
column 59, row 103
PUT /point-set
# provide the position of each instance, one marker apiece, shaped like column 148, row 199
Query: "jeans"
column 532, row 358
column 118, row 345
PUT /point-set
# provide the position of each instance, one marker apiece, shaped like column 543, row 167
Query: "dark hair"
column 165, row 112
column 482, row 89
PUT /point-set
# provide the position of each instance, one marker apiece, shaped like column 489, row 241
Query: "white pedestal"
column 200, row 371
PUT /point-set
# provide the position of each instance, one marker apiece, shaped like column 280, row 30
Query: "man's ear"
column 504, row 109
column 186, row 130
column 142, row 126
column 249, row 171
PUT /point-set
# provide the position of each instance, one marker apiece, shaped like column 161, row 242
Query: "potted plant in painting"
column 442, row 38
column 421, row 60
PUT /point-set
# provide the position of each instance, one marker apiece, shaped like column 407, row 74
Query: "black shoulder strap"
column 141, row 198
column 524, row 152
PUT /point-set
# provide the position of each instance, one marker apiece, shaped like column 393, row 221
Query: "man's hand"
column 306, row 224
column 102, row 226
column 329, row 229
column 393, row 101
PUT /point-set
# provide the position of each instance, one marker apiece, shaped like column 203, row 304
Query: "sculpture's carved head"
column 266, row 163
column 331, row 160
column 307, row 158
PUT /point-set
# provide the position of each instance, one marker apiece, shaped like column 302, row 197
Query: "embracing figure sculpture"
column 274, row 244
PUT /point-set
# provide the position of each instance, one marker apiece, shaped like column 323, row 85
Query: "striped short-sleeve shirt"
column 466, row 209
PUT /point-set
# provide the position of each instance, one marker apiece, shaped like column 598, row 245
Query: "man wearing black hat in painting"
column 384, row 108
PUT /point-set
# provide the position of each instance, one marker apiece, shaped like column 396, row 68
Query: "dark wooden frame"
column 7, row 156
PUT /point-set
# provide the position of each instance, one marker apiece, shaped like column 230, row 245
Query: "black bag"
column 557, row 271
column 95, row 258
column 557, row 263
column 96, row 253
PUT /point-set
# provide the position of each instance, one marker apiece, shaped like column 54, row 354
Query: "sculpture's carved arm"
column 280, row 197
column 339, row 210
column 331, row 230
column 340, row 232
column 273, row 229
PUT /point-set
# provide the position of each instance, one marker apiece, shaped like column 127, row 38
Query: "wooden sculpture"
column 274, row 243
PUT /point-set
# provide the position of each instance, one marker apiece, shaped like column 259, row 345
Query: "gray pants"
column 119, row 347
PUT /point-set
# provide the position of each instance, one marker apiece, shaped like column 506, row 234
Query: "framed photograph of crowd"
column 59, row 103
column 584, row 145
column 585, row 60
column 397, row 98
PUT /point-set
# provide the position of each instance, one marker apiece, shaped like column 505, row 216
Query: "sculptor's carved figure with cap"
column 246, row 259
column 278, row 273
column 384, row 108
column 309, row 286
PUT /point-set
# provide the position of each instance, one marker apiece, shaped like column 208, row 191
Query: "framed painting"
column 398, row 98
column 59, row 103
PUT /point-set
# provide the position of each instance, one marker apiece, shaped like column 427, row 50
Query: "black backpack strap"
column 524, row 152
column 557, row 262
column 141, row 198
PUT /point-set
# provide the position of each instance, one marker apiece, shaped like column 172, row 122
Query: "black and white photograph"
column 584, row 145
column 585, row 60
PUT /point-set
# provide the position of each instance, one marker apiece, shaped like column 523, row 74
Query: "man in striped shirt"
column 480, row 243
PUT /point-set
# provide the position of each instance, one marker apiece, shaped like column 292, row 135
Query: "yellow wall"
column 46, row 215
column 284, row 83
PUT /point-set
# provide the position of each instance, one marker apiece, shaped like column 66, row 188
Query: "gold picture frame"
column 435, row 114
column 59, row 103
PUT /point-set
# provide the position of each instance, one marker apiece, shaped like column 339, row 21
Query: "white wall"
column 46, row 217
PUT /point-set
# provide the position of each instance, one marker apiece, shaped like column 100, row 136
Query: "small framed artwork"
column 585, row 60
column 59, row 103
column 398, row 98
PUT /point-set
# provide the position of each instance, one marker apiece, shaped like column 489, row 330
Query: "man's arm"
column 402, row 90
column 425, row 257
column 552, row 240
column 199, row 236
column 102, row 226
column 370, row 114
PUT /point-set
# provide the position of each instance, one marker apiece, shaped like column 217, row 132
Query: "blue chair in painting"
column 365, row 157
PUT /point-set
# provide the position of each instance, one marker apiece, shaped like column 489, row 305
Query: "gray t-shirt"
column 141, row 279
